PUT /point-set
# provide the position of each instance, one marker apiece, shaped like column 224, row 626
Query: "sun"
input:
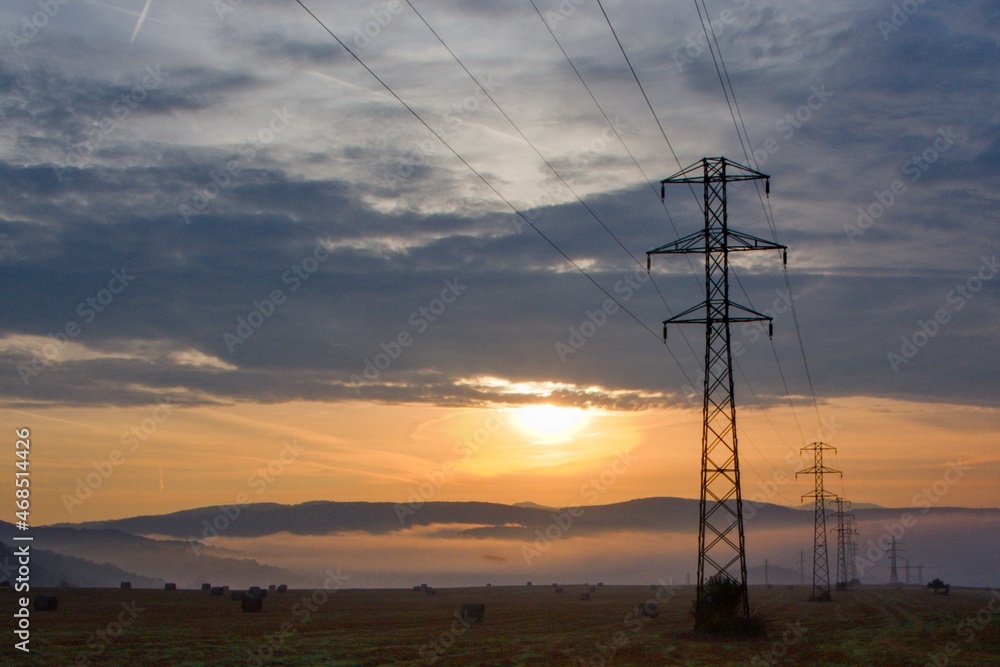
column 550, row 421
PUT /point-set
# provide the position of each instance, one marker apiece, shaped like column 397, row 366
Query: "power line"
column 768, row 213
column 474, row 170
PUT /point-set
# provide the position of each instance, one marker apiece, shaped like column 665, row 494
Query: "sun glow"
column 551, row 421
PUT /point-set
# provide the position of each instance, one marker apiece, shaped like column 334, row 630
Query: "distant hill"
column 52, row 569
column 484, row 519
column 99, row 557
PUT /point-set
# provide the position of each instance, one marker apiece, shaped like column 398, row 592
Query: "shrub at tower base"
column 721, row 610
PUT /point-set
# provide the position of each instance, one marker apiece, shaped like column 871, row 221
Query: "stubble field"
column 528, row 626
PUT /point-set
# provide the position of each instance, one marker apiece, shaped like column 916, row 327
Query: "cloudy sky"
column 234, row 262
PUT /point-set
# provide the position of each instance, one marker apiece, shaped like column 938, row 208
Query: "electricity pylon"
column 821, row 559
column 721, row 548
column 844, row 531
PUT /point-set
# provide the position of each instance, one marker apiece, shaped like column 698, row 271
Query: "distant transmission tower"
column 821, row 559
column 893, row 555
column 721, row 550
column 844, row 530
column 852, row 550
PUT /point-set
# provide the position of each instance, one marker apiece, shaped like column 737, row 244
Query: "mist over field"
column 448, row 544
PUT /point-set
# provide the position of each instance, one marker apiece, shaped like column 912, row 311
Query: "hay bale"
column 206, row 587
column 418, row 589
column 649, row 609
column 585, row 596
column 46, row 603
column 126, row 584
column 217, row 590
column 170, row 587
column 473, row 612
column 272, row 587
column 529, row 583
column 431, row 591
column 423, row 586
column 488, row 585
column 252, row 604
column 600, row 583
column 558, row 589
column 593, row 589
column 282, row 588
column 237, row 595
column 253, row 590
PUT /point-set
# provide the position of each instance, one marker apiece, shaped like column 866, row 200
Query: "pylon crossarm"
column 685, row 245
column 751, row 314
column 695, row 172
column 740, row 241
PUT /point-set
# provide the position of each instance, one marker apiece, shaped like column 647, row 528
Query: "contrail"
column 142, row 19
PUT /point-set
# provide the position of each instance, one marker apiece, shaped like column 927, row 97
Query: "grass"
column 523, row 627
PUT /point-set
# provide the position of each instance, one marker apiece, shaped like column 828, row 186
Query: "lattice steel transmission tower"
column 721, row 549
column 893, row 555
column 821, row 559
column 845, row 529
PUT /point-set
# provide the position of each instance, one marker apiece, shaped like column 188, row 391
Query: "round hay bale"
column 272, row 587
column 282, row 588
column 206, row 587
column 126, row 584
column 649, row 609
column 217, row 590
column 237, row 595
column 252, row 604
column 584, row 596
column 170, row 587
column 488, row 585
column 46, row 603
column 417, row 589
column 529, row 583
column 473, row 611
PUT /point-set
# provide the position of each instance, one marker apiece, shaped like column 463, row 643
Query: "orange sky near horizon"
column 89, row 464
